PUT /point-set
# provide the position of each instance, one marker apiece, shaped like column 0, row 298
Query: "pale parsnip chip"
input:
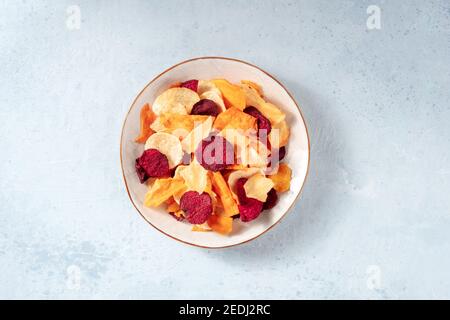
column 175, row 100
column 167, row 144
column 236, row 175
column 215, row 97
column 195, row 177
column 200, row 132
column 254, row 85
column 279, row 135
column 254, row 154
column 207, row 86
column 157, row 125
column 258, row 186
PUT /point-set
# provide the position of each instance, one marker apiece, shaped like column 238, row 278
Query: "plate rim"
column 297, row 197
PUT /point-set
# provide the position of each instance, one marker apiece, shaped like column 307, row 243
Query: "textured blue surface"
column 373, row 220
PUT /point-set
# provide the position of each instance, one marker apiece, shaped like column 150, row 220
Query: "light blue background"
column 376, row 205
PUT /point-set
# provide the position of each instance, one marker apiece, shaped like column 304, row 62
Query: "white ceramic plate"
column 235, row 71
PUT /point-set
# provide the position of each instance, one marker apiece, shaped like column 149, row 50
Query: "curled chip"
column 206, row 107
column 162, row 190
column 190, row 84
column 254, row 86
column 279, row 135
column 240, row 190
column 215, row 153
column 282, row 179
column 197, row 207
column 216, row 97
column 249, row 208
column 272, row 199
column 200, row 132
column 233, row 95
column 236, row 175
column 146, row 118
column 234, row 118
column 226, row 197
column 175, row 100
column 269, row 110
column 221, row 224
column 262, row 122
column 152, row 163
column 257, row 187
column 167, row 144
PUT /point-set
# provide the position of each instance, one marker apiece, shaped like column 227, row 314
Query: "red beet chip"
column 152, row 163
column 240, row 191
column 215, row 153
column 281, row 154
column 271, row 201
column 190, row 84
column 206, row 107
column 250, row 210
column 196, row 206
column 263, row 122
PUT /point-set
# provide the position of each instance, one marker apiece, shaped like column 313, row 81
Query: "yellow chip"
column 269, row 110
column 232, row 94
column 254, row 85
column 179, row 125
column 195, row 177
column 200, row 132
column 162, row 190
column 201, row 227
column 282, row 179
column 279, row 135
column 215, row 97
column 175, row 100
column 236, row 175
column 207, row 85
column 257, row 187
column 250, row 156
column 167, row 144
column 157, row 125
column 234, row 118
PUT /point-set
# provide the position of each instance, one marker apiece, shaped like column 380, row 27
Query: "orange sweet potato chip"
column 162, row 190
column 233, row 95
column 172, row 206
column 220, row 224
column 200, row 228
column 233, row 118
column 220, row 186
column 282, row 179
column 146, row 118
